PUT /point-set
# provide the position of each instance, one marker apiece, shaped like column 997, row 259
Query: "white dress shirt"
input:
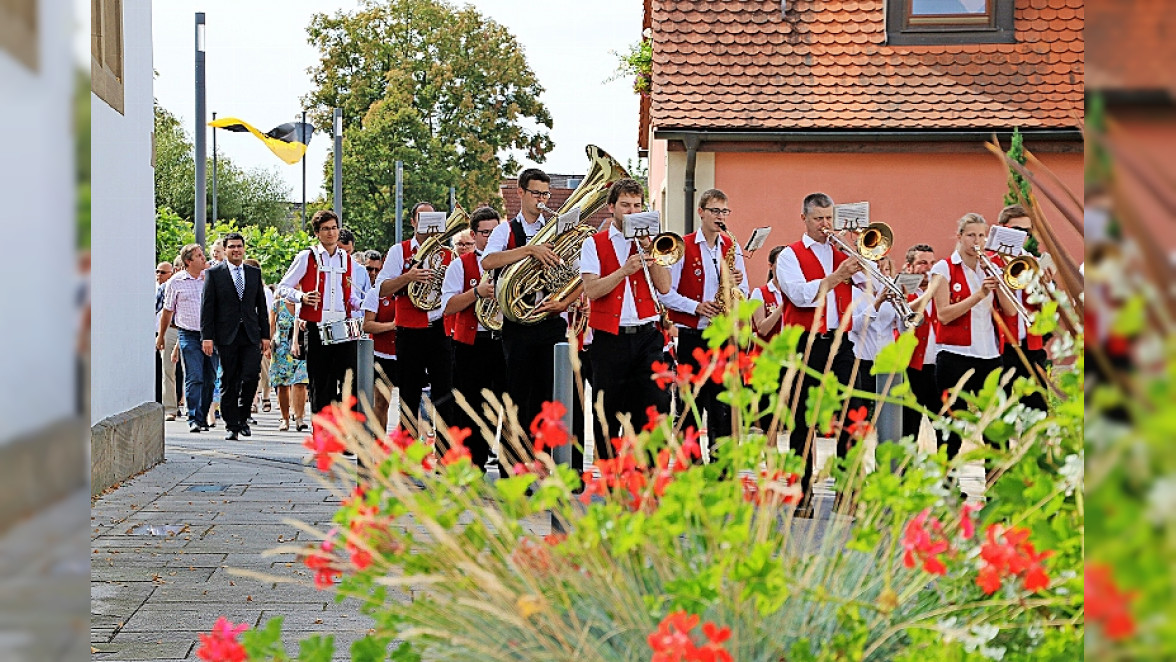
column 336, row 267
column 364, row 284
column 455, row 280
column 873, row 328
column 712, row 261
column 394, row 268
column 802, row 292
column 501, row 234
column 984, row 344
column 590, row 264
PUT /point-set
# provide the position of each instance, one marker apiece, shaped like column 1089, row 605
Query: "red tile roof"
column 1131, row 45
column 824, row 64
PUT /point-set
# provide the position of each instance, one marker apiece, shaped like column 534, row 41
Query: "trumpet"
column 1018, row 274
column 873, row 243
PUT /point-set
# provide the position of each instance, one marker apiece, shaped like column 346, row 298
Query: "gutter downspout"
column 691, row 141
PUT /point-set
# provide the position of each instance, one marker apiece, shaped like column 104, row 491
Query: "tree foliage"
column 255, row 196
column 274, row 249
column 445, row 90
column 1019, row 187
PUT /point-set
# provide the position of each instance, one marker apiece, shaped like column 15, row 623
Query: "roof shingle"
column 826, row 65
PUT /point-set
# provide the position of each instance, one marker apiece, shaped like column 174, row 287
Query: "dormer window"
column 911, row 22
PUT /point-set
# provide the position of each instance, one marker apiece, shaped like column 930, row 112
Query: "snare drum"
column 341, row 331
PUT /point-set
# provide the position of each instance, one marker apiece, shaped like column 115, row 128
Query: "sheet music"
column 568, row 221
column 430, row 222
column 1006, row 240
column 757, row 239
column 642, row 224
column 909, row 282
column 851, row 216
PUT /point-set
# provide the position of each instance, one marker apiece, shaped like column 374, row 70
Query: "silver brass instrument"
column 430, row 255
column 874, row 242
column 486, row 309
column 519, row 287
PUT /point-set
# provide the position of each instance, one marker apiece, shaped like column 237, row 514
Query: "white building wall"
column 37, row 327
column 123, row 231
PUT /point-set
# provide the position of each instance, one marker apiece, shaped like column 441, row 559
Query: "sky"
column 257, row 60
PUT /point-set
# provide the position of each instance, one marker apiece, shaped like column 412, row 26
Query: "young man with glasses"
column 693, row 300
column 424, row 355
column 528, row 348
column 477, row 351
column 326, row 281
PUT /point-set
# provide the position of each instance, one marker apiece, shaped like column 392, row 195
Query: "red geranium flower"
column 653, row 418
column 925, row 545
column 548, row 428
column 1015, row 556
column 324, row 564
column 860, row 426
column 673, row 640
column 221, row 644
column 457, row 449
column 1107, row 604
column 967, row 526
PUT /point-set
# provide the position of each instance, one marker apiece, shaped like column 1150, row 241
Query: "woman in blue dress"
column 287, row 371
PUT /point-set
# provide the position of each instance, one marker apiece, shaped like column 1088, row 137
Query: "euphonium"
column 431, row 255
column 523, row 286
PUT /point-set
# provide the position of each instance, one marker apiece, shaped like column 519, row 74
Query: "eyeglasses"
column 484, row 233
column 718, row 212
column 333, row 228
column 161, row 271
column 542, row 195
column 465, row 243
column 373, row 269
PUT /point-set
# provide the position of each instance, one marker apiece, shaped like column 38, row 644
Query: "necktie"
column 239, row 280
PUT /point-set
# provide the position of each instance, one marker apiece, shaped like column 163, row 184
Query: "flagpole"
column 399, row 200
column 304, row 141
column 215, row 216
column 339, row 164
column 201, row 210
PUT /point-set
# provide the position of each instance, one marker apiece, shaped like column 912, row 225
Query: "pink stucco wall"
column 920, row 195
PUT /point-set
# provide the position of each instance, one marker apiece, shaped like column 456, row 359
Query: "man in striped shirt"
column 181, row 299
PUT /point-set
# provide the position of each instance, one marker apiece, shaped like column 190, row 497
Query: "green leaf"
column 370, row 649
column 895, row 357
column 265, row 643
column 317, row 648
column 513, row 489
column 1046, row 320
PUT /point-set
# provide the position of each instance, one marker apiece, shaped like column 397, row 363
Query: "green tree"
column 1019, row 187
column 445, row 90
column 255, row 196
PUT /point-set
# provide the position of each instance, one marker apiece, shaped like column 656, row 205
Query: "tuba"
column 523, row 286
column 431, row 254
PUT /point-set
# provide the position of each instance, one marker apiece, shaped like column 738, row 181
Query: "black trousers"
column 842, row 367
column 240, row 374
column 579, row 419
column 718, row 414
column 622, row 371
column 386, row 372
column 424, row 358
column 326, row 368
column 1037, row 357
column 926, row 392
column 949, row 369
column 476, row 367
column 530, row 372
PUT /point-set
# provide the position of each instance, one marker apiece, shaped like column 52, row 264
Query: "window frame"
column 994, row 27
column 19, row 35
column 107, row 53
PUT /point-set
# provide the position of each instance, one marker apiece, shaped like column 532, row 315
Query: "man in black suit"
column 233, row 316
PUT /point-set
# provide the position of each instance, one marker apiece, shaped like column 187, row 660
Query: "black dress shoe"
column 246, row 432
column 195, row 427
column 251, row 421
column 231, row 436
column 204, row 428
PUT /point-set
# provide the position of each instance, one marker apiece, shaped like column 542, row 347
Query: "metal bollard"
column 562, row 391
column 889, row 413
column 365, row 375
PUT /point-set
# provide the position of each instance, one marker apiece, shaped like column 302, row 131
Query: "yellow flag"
column 288, row 141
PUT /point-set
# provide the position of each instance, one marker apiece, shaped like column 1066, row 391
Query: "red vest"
column 811, row 267
column 465, row 322
column 691, row 284
column 385, row 343
column 771, row 302
column 313, row 281
column 408, row 315
column 922, row 334
column 1012, row 322
column 958, row 331
column 605, row 314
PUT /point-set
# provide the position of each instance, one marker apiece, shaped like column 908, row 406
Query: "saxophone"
column 729, row 294
column 430, row 255
column 523, row 286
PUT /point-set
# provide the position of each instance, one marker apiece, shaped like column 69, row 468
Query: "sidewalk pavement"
column 42, row 584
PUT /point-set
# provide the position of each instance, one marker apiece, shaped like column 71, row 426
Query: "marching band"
column 638, row 298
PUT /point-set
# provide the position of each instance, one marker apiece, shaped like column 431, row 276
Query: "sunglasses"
column 161, row 271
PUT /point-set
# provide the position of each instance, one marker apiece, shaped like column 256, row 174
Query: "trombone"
column 873, row 243
column 1018, row 274
column 665, row 248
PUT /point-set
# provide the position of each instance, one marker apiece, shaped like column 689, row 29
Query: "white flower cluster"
column 974, row 638
column 1072, row 472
